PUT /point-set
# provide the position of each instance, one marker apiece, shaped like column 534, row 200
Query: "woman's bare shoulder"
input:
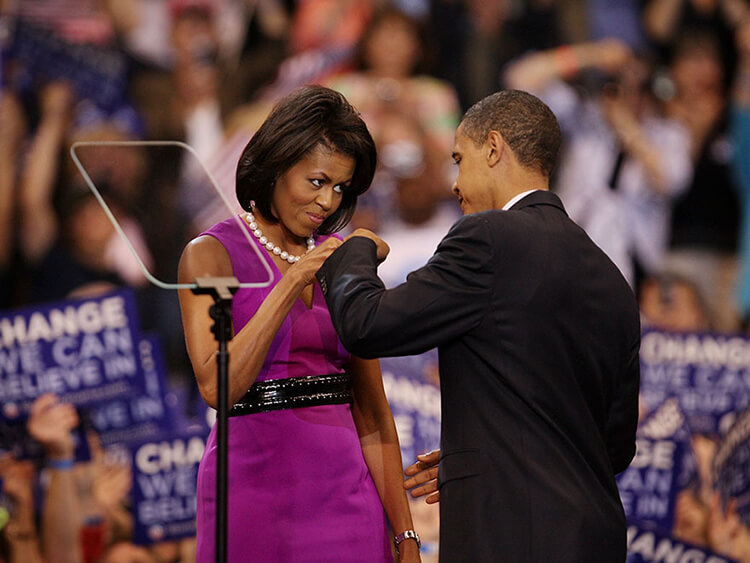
column 204, row 256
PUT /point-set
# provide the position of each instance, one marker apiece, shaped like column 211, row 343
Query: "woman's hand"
column 424, row 473
column 310, row 263
column 383, row 248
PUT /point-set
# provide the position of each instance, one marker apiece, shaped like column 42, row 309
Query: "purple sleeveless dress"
column 299, row 488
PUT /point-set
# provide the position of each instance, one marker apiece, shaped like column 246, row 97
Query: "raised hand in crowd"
column 51, row 423
column 620, row 105
column 661, row 18
column 20, row 532
column 111, row 484
column 423, row 477
column 38, row 221
column 12, row 131
column 535, row 71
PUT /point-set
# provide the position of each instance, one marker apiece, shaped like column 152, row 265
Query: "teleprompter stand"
column 222, row 290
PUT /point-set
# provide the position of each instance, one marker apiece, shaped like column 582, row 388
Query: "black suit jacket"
column 538, row 337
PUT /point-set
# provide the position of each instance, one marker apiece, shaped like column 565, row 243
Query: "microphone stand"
column 222, row 290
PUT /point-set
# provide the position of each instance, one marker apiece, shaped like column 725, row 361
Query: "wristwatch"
column 407, row 535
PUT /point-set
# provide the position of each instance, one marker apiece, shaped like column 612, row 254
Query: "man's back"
column 538, row 336
column 540, row 398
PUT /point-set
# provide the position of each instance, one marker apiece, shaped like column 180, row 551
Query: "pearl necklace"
column 271, row 247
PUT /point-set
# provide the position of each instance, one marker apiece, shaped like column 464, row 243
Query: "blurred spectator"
column 323, row 38
column 391, row 76
column 12, row 132
column 20, row 539
column 623, row 162
column 740, row 128
column 670, row 303
column 390, row 84
column 420, row 214
column 51, row 424
column 665, row 20
column 475, row 39
column 144, row 26
column 318, row 24
column 79, row 246
column 705, row 218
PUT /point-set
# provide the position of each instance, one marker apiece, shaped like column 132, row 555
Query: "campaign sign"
column 732, row 466
column 650, row 544
column 648, row 487
column 165, row 473
column 143, row 415
column 709, row 373
column 414, row 401
column 84, row 351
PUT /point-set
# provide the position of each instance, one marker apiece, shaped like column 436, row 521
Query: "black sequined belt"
column 295, row 392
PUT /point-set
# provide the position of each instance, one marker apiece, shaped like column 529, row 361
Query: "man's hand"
column 423, row 477
column 383, row 248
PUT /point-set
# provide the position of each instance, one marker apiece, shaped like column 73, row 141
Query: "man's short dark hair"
column 527, row 125
column 307, row 117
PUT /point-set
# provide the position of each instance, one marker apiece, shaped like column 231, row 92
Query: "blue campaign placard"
column 143, row 415
column 84, row 351
column 732, row 467
column 414, row 399
column 651, row 544
column 709, row 373
column 165, row 473
column 649, row 486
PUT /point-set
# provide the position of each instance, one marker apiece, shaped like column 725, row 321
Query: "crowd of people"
column 653, row 99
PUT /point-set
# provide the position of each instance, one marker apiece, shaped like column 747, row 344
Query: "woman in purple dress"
column 314, row 466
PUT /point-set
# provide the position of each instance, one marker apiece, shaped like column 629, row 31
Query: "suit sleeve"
column 623, row 415
column 441, row 301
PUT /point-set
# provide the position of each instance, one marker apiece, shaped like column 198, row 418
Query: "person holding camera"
column 624, row 162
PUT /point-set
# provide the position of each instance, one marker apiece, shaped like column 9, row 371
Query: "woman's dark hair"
column 307, row 117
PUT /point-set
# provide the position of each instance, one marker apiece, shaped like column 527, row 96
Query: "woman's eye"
column 317, row 182
column 338, row 188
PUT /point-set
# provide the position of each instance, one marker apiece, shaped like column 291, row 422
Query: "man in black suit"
column 538, row 337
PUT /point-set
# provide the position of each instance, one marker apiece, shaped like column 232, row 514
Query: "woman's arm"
column 206, row 256
column 380, row 447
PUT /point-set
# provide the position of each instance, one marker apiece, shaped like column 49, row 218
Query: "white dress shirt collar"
column 517, row 198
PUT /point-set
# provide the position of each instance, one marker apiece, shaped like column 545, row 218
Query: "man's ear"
column 495, row 147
